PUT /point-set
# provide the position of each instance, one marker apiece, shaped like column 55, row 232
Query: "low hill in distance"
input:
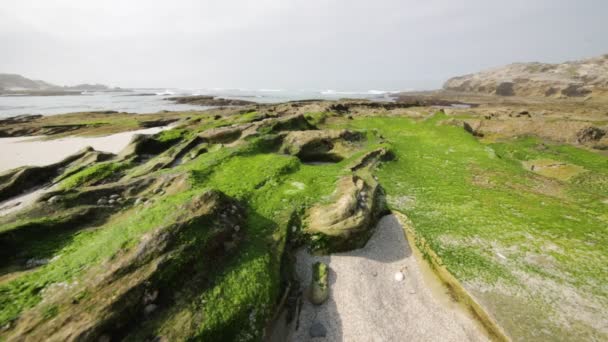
column 12, row 84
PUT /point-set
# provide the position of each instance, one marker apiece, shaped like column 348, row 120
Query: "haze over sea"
column 152, row 100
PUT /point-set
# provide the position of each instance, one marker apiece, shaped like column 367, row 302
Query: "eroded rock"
column 320, row 145
column 347, row 222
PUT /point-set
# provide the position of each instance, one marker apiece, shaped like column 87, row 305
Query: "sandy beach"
column 34, row 151
column 367, row 303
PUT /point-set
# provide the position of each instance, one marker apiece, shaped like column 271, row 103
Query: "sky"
column 290, row 44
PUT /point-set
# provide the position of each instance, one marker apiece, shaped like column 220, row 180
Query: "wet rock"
column 102, row 201
column 206, row 100
column 317, row 329
column 140, row 201
column 111, row 202
column 114, row 196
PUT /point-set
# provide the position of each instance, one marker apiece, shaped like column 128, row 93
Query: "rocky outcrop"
column 204, row 100
column 346, row 223
column 319, row 145
column 140, row 284
column 23, row 179
column 569, row 79
column 590, row 135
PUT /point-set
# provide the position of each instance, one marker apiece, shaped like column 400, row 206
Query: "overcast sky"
column 290, row 44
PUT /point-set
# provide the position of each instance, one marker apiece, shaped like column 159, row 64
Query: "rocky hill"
column 569, row 79
column 12, row 83
column 18, row 82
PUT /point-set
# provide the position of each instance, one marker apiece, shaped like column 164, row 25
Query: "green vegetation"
column 94, row 173
column 495, row 223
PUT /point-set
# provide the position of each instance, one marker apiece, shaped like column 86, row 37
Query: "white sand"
column 367, row 303
column 33, row 151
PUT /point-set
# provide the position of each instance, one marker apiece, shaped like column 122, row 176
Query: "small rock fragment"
column 150, row 308
column 102, row 201
column 110, row 202
column 399, row 276
column 114, row 196
column 317, row 329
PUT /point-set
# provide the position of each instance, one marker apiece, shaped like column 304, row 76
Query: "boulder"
column 590, row 134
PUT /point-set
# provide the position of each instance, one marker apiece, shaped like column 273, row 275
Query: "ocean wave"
column 364, row 92
column 167, row 92
column 264, row 90
column 382, row 92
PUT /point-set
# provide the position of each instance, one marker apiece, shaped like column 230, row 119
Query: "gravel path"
column 367, row 303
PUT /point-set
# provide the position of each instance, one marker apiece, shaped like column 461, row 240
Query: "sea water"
column 153, row 100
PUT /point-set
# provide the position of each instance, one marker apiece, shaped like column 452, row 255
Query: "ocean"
column 152, row 100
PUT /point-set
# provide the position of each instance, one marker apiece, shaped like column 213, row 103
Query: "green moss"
column 317, row 118
column 50, row 312
column 468, row 200
column 172, row 135
column 472, row 202
column 94, row 174
column 319, row 273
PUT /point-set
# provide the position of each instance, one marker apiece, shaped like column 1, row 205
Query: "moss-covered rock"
column 319, row 284
column 320, row 145
column 347, row 221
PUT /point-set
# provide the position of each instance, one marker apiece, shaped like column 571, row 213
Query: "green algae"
column 485, row 215
column 470, row 201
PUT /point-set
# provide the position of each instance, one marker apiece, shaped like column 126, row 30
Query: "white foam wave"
column 264, row 90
